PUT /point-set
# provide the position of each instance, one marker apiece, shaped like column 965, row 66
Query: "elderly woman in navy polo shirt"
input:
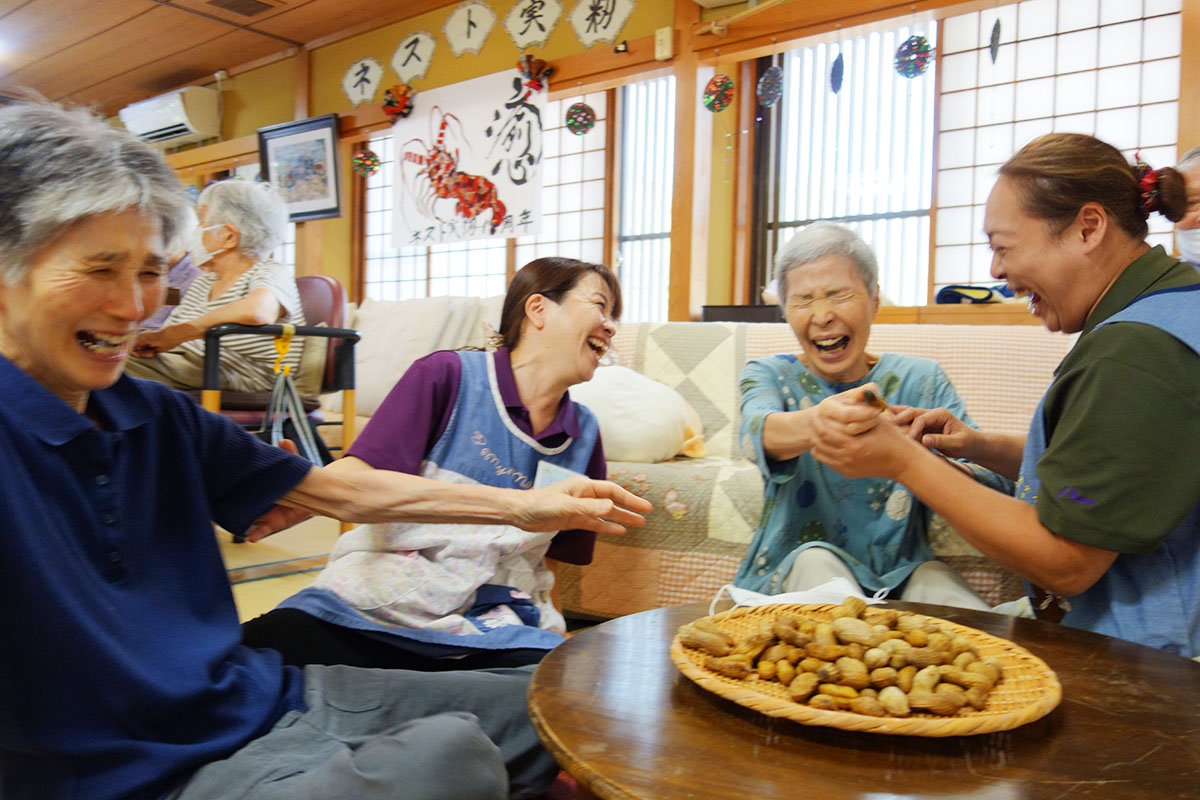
column 123, row 674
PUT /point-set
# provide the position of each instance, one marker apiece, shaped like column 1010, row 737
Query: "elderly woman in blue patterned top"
column 817, row 524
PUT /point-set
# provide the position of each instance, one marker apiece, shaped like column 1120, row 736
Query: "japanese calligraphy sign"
column 530, row 22
column 412, row 56
column 469, row 162
column 468, row 26
column 362, row 80
column 600, row 20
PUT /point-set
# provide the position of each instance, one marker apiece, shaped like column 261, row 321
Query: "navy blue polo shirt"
column 121, row 664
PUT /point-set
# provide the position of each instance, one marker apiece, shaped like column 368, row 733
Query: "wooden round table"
column 617, row 714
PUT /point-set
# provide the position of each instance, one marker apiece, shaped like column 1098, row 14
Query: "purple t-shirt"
column 415, row 413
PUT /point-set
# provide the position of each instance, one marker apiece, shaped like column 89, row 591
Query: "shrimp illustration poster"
column 469, row 162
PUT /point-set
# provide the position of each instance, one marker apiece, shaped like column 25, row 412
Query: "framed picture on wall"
column 300, row 159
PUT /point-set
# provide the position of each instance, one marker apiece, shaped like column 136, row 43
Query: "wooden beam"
column 303, row 83
column 743, row 186
column 683, row 222
column 1189, row 80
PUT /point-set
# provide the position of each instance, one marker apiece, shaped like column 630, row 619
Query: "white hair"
column 59, row 166
column 254, row 208
column 822, row 239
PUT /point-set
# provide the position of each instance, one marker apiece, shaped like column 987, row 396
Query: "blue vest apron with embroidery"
column 480, row 445
column 1152, row 599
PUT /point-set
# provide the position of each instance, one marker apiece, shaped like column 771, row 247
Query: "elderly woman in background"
column 241, row 222
column 816, row 524
column 122, row 673
column 1187, row 229
column 1107, row 509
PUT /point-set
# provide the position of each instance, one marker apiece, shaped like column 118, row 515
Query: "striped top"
column 246, row 361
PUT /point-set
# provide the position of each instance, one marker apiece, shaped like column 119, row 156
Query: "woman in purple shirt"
column 434, row 597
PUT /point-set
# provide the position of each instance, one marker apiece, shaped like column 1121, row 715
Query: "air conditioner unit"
column 186, row 115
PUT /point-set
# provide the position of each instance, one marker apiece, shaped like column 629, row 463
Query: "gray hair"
column 822, row 239
column 1190, row 159
column 253, row 207
column 59, row 166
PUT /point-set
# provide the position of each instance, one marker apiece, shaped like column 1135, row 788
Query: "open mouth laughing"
column 104, row 344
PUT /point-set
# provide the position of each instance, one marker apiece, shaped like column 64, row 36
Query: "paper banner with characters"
column 469, row 162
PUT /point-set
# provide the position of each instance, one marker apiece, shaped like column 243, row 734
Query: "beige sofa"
column 706, row 508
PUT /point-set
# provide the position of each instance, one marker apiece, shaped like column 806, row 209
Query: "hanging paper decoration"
column 994, row 45
column 597, row 21
column 581, row 118
column 912, row 57
column 468, row 26
column 413, row 54
column 718, row 94
column 362, row 80
column 530, row 22
column 770, row 87
column 836, row 73
column 397, row 101
column 366, row 162
column 534, row 71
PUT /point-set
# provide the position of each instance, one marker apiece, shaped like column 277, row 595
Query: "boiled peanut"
column 884, row 676
column 932, row 701
column 766, row 670
column 868, row 706
column 850, row 629
column 802, row 686
column 904, row 678
column 925, row 680
column 875, row 657
column 894, row 700
column 784, row 671
column 854, row 673
column 711, row 643
column 729, row 666
column 837, row 690
column 825, row 652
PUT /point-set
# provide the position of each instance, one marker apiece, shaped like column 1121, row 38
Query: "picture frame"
column 300, row 159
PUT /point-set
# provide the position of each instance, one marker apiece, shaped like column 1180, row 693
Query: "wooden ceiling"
column 109, row 53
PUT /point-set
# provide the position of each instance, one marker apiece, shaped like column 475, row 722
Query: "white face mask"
column 1188, row 243
column 195, row 245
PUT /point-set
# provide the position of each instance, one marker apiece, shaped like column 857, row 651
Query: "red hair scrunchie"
column 1147, row 184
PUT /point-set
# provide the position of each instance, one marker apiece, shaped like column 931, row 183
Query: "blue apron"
column 1150, row 599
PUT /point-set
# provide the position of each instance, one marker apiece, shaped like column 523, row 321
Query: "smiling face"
column 830, row 310
column 1036, row 263
column 581, row 326
column 71, row 321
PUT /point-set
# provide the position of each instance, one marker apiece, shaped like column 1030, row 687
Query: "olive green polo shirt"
column 1123, row 423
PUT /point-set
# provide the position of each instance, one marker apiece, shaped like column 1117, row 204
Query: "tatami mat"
column 263, row 573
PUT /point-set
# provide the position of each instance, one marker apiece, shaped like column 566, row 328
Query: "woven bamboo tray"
column 1029, row 690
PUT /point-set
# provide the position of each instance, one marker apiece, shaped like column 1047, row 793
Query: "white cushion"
column 640, row 418
column 396, row 333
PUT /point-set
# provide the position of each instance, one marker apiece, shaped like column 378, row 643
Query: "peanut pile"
column 873, row 661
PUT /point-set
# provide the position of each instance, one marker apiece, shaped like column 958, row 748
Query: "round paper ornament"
column 366, row 162
column 580, row 119
column 770, row 87
column 913, row 57
column 718, row 94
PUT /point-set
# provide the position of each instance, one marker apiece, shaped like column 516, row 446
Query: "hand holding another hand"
column 857, row 439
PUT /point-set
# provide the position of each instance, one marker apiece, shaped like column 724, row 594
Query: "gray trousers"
column 390, row 734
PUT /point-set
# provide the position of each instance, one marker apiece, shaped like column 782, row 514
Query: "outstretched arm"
column 353, row 491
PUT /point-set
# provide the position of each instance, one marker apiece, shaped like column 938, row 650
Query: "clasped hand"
column 860, row 440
